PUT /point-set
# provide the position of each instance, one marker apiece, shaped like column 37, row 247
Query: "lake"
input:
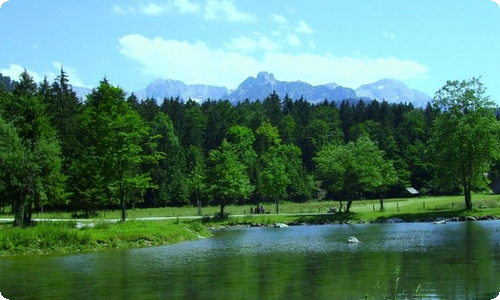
column 449, row 261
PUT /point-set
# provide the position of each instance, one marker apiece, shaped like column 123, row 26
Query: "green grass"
column 50, row 237
column 368, row 208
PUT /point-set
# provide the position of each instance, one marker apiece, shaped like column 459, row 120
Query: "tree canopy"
column 110, row 150
column 466, row 136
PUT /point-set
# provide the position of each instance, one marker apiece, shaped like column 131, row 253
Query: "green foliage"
column 354, row 168
column 169, row 173
column 29, row 153
column 466, row 136
column 113, row 154
column 228, row 180
column 273, row 177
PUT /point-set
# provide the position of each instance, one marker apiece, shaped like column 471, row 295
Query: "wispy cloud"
column 73, row 74
column 121, row 10
column 389, row 35
column 225, row 10
column 155, row 9
column 186, row 7
column 159, row 8
column 199, row 63
column 15, row 70
column 247, row 44
column 278, row 19
column 293, row 40
column 304, row 28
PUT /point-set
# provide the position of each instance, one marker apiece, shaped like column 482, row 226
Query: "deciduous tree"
column 228, row 180
column 466, row 136
column 354, row 168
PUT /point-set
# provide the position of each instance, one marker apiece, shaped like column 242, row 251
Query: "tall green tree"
column 466, row 136
column 228, row 180
column 170, row 171
column 274, row 178
column 196, row 175
column 114, row 135
column 29, row 153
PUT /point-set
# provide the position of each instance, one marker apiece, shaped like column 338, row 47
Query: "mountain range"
column 253, row 88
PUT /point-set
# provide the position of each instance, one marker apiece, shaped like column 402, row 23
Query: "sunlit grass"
column 483, row 204
column 48, row 237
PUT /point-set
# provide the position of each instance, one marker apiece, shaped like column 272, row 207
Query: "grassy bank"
column 59, row 237
column 50, row 237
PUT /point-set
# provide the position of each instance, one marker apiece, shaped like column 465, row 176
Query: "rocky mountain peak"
column 265, row 77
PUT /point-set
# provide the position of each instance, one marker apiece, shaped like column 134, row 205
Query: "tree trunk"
column 123, row 204
column 381, row 202
column 18, row 210
column 467, row 192
column 468, row 198
column 28, row 213
column 277, row 206
column 221, row 214
column 349, row 202
column 198, row 203
column 340, row 207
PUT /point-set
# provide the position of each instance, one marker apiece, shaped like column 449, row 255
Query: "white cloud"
column 186, row 7
column 304, row 28
column 293, row 40
column 389, row 35
column 2, row 2
column 198, row 63
column 225, row 10
column 117, row 9
column 191, row 63
column 242, row 44
column 246, row 44
column 268, row 44
column 311, row 44
column 72, row 73
column 347, row 71
column 156, row 9
column 278, row 19
column 15, row 70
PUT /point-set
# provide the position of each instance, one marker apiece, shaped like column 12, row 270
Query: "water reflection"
column 450, row 261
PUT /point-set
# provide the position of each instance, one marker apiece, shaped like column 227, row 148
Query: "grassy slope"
column 49, row 237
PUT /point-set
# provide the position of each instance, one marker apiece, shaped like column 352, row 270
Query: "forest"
column 114, row 151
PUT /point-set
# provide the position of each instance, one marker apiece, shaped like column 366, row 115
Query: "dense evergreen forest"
column 112, row 151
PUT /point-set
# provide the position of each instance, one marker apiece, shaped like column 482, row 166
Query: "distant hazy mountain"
column 160, row 89
column 253, row 88
column 264, row 84
column 393, row 91
column 81, row 92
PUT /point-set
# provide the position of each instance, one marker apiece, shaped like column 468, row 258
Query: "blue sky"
column 222, row 42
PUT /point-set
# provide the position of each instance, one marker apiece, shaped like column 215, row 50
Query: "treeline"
column 114, row 151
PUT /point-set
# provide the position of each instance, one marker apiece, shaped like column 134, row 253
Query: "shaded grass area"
column 52, row 237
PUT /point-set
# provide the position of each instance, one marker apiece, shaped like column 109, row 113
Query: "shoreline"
column 49, row 237
column 382, row 220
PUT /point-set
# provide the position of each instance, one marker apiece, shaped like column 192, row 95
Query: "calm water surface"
column 450, row 261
